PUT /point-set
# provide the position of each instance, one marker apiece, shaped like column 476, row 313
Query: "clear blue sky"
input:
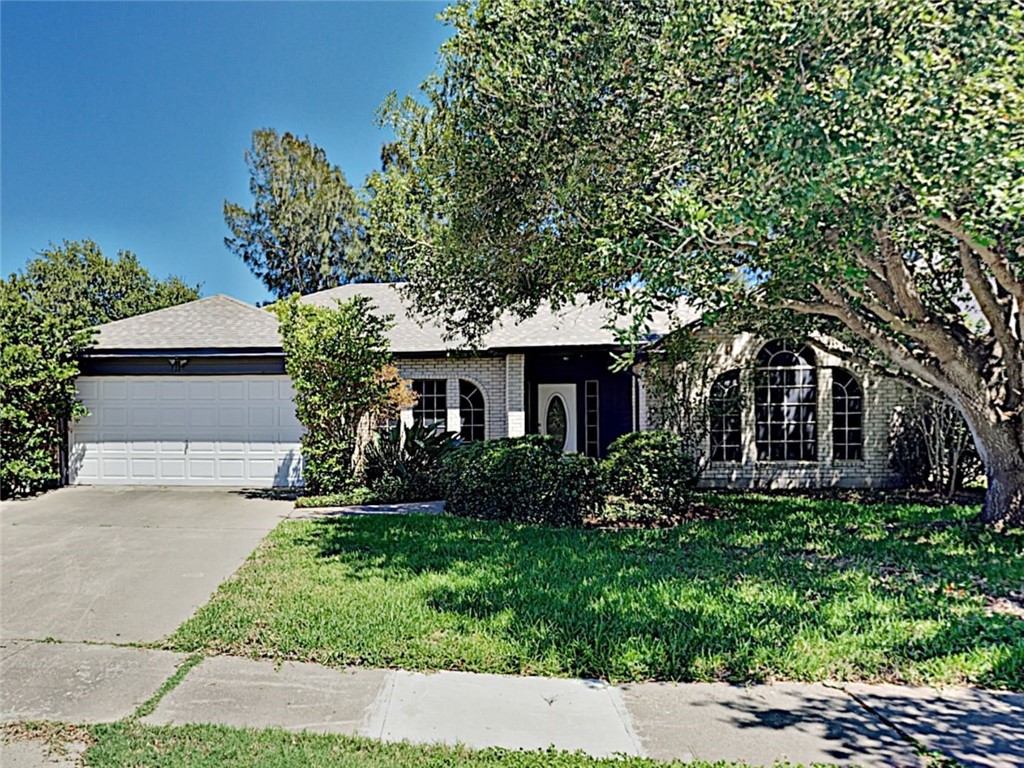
column 126, row 123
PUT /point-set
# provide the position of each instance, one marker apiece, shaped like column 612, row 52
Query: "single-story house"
column 197, row 394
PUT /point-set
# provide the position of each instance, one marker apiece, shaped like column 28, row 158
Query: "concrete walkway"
column 759, row 724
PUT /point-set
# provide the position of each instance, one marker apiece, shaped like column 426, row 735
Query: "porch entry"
column 557, row 409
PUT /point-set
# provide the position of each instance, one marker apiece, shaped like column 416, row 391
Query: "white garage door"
column 186, row 430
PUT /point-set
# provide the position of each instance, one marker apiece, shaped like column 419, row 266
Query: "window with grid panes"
column 432, row 405
column 591, row 418
column 471, row 412
column 847, row 417
column 786, row 403
column 724, row 407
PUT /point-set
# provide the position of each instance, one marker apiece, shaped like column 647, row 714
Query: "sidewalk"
column 759, row 724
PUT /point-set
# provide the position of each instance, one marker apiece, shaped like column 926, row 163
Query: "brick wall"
column 882, row 396
column 487, row 373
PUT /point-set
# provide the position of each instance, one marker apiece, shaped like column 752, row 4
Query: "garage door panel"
column 144, row 415
column 142, row 390
column 171, row 416
column 202, row 417
column 201, row 469
column 262, row 417
column 189, row 430
column 172, row 469
column 232, row 469
column 231, row 390
column 231, row 417
column 112, row 417
column 115, row 468
column 143, row 469
column 111, row 390
column 262, row 390
column 173, row 390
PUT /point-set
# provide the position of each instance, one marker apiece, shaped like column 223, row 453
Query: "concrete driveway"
column 121, row 565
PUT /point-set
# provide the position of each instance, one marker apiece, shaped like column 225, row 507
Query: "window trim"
column 464, row 401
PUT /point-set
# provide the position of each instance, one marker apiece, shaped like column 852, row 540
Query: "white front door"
column 556, row 404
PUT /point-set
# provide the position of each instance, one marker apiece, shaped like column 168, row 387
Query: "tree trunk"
column 1004, row 500
column 1001, row 447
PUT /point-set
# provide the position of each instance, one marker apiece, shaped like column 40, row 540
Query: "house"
column 197, row 394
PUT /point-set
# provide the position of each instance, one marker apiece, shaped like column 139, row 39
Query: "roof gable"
column 216, row 322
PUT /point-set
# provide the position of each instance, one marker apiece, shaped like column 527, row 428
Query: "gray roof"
column 217, row 322
column 223, row 323
column 581, row 325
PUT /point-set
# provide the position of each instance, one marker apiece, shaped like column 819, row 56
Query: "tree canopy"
column 306, row 230
column 859, row 162
column 46, row 311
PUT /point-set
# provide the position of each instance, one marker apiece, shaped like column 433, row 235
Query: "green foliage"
column 403, row 463
column 773, row 588
column 854, row 161
column 121, row 744
column 340, row 368
column 931, row 447
column 306, row 231
column 45, row 313
column 521, row 479
column 350, row 497
column 651, row 469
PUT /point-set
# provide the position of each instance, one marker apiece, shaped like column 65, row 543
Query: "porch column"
column 515, row 394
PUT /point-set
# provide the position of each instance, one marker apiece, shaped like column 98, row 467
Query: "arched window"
column 847, row 417
column 471, row 411
column 786, row 403
column 724, row 408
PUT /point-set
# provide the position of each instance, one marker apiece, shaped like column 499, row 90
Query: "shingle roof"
column 217, row 322
column 223, row 323
column 580, row 325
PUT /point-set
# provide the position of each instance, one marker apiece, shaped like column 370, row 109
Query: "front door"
column 556, row 404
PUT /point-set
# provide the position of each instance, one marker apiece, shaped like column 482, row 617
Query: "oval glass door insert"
column 555, row 419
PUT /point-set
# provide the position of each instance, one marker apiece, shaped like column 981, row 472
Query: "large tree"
column 306, row 229
column 858, row 162
column 46, row 311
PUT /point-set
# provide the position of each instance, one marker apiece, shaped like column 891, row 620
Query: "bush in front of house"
column 341, row 369
column 650, row 471
column 403, row 463
column 522, row 479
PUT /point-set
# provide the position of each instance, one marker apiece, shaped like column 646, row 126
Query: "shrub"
column 652, row 470
column 354, row 496
column 931, row 447
column 342, row 372
column 404, row 463
column 521, row 479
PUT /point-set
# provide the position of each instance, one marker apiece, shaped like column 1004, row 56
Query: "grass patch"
column 149, row 706
column 778, row 588
column 351, row 497
column 210, row 746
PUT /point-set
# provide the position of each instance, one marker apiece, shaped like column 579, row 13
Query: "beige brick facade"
column 487, row 373
column 882, row 397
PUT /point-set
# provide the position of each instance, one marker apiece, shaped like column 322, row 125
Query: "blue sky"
column 126, row 123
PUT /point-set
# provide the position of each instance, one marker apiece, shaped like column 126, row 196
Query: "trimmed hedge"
column 521, row 479
column 652, row 469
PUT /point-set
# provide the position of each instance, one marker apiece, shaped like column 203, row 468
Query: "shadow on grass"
column 786, row 588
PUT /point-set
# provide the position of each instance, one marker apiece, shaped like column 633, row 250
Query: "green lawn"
column 779, row 588
column 120, row 745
